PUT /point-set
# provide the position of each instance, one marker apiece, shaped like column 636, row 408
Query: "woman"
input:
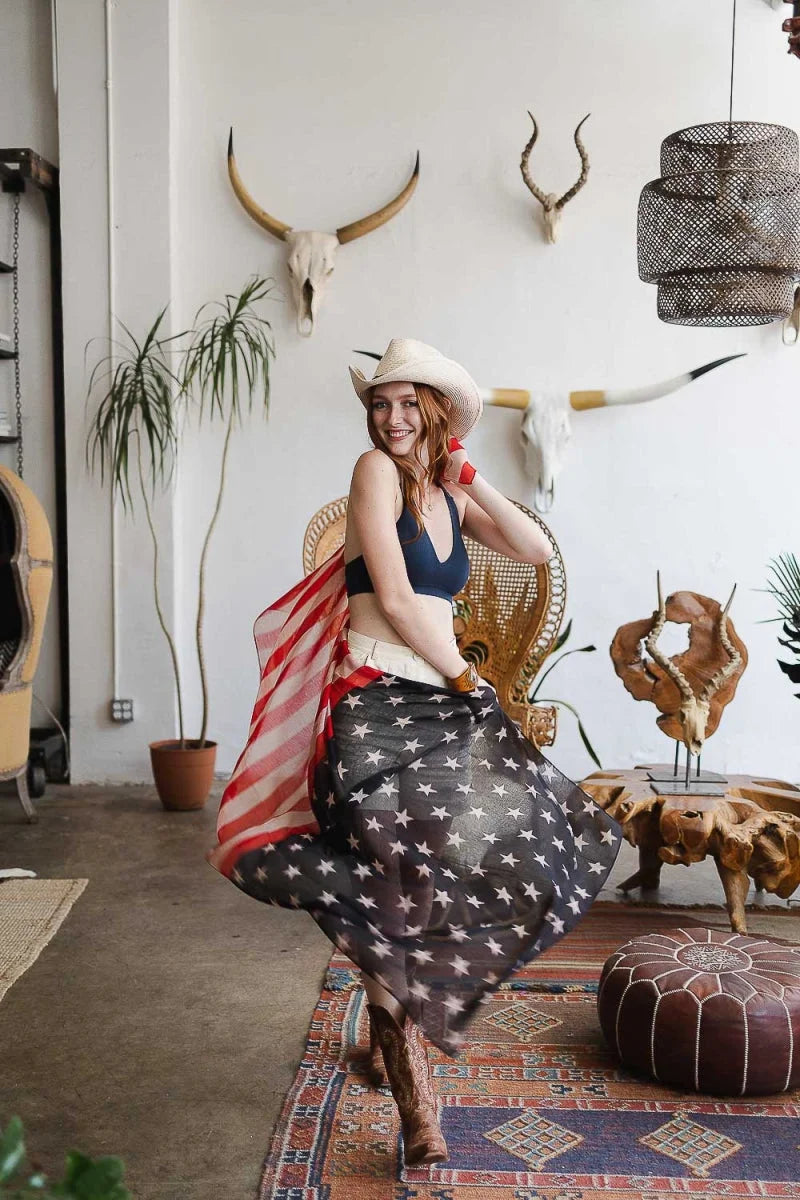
column 382, row 787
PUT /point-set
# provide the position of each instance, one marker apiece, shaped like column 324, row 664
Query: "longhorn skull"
column 312, row 256
column 545, row 430
column 552, row 205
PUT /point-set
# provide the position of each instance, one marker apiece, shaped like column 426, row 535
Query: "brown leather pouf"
column 712, row 1011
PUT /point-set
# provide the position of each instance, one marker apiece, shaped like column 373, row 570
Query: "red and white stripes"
column 301, row 641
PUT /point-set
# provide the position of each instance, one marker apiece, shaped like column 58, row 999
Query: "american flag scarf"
column 431, row 841
column 301, row 642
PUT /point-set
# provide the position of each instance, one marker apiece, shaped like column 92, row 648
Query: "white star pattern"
column 542, row 846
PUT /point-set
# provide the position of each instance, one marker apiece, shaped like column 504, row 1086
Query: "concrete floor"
column 165, row 1021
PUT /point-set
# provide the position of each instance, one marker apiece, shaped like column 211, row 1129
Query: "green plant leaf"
column 92, row 1179
column 581, row 730
column 538, row 682
column 12, row 1149
column 226, row 365
column 562, row 637
column 790, row 669
column 138, row 388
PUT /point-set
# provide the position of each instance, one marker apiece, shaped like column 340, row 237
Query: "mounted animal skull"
column 546, row 431
column 553, row 205
column 312, row 256
column 695, row 707
column 690, row 689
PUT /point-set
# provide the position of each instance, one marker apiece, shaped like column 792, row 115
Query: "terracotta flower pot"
column 183, row 777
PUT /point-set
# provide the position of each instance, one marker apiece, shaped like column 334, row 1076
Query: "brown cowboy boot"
column 408, row 1069
column 368, row 1060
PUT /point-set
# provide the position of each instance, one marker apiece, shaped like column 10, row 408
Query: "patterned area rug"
column 536, row 1107
column 31, row 912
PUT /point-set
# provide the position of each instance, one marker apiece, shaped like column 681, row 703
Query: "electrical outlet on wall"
column 122, row 710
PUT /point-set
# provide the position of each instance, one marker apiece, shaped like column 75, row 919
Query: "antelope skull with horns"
column 553, row 205
column 695, row 707
column 546, row 431
column 312, row 255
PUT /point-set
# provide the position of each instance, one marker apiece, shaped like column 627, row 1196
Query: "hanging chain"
column 733, row 58
column 17, row 387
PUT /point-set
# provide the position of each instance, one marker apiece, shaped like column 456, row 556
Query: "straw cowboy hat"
column 410, row 361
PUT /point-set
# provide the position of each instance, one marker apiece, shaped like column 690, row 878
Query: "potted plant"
column 785, row 587
column 222, row 370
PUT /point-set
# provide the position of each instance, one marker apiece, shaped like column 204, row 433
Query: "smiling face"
column 396, row 417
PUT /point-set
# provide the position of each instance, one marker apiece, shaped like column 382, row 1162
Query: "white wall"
column 28, row 118
column 329, row 105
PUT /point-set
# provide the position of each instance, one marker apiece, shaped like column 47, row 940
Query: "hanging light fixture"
column 719, row 232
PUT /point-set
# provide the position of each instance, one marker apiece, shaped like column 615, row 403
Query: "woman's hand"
column 459, row 469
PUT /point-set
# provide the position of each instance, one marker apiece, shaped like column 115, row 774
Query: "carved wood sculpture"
column 691, row 689
column 751, row 831
column 552, row 205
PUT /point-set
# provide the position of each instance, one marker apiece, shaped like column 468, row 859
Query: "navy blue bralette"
column 427, row 574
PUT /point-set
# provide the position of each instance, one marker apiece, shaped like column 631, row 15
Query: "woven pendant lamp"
column 719, row 232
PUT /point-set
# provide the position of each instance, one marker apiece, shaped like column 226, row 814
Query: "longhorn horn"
column 523, row 166
column 584, row 175
column 598, row 399
column 506, row 397
column 262, row 218
column 724, row 673
column 672, row 669
column 357, row 229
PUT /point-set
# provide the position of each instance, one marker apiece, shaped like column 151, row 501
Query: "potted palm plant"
column 218, row 371
column 784, row 585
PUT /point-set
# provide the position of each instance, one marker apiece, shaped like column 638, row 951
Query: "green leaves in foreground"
column 84, row 1178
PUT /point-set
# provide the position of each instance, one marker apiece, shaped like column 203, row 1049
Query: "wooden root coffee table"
column 751, row 829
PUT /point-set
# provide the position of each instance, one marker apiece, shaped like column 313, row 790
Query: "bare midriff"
column 366, row 614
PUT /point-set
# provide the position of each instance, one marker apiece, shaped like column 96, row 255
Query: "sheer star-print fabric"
column 439, row 849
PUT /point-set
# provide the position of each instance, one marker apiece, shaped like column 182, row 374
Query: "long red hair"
column 435, row 411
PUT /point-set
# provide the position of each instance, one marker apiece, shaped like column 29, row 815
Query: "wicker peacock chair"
column 506, row 619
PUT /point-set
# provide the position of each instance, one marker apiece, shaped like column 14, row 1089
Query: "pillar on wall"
column 115, row 125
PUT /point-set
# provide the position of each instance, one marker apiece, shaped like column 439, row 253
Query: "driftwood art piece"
column 312, row 255
column 752, row 831
column 553, row 205
column 690, row 689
